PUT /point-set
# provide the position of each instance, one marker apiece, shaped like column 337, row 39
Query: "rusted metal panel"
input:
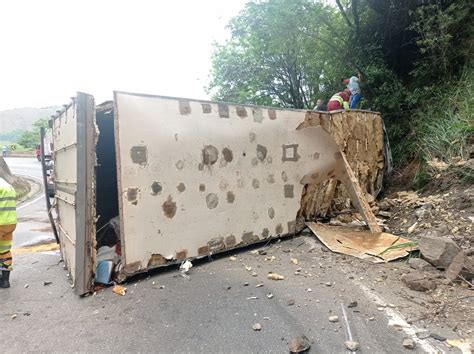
column 200, row 177
column 85, row 193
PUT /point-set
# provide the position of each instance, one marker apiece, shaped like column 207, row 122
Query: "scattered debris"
column 185, row 267
column 412, row 227
column 257, row 327
column 232, row 258
column 397, row 323
column 46, row 283
column 290, row 302
column 252, row 298
column 294, row 260
column 269, row 296
column 422, row 333
column 328, row 283
column 420, row 264
column 352, row 304
column 437, row 337
column 409, row 343
column 385, row 214
column 14, row 316
column 259, row 285
column 104, row 271
column 439, row 251
column 299, row 344
column 309, row 290
column 418, row 282
column 463, row 260
column 27, row 286
column 248, row 268
column 383, row 247
column 254, row 274
column 246, row 284
column 437, row 164
column 119, row 290
column 275, row 276
column 465, row 345
column 333, row 319
column 352, row 345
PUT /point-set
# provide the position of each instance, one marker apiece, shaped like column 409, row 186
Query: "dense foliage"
column 414, row 57
column 30, row 138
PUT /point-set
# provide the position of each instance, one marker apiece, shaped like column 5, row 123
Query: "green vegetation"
column 414, row 57
column 30, row 138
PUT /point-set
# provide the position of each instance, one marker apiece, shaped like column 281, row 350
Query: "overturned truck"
column 189, row 178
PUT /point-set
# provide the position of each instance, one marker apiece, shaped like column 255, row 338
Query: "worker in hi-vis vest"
column 7, row 226
column 339, row 101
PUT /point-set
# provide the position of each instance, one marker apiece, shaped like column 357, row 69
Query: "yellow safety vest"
column 341, row 101
column 7, row 203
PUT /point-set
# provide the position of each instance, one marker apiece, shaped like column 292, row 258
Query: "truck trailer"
column 159, row 180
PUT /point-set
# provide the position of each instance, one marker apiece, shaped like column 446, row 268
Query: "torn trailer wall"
column 359, row 135
column 191, row 178
column 196, row 178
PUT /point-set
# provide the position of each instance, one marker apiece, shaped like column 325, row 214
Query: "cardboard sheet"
column 378, row 248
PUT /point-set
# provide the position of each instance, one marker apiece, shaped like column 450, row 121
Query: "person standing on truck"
column 7, row 226
column 339, row 101
column 353, row 86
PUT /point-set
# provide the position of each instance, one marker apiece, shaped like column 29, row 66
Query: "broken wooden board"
column 359, row 135
column 378, row 248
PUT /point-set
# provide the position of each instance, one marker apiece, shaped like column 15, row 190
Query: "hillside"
column 22, row 118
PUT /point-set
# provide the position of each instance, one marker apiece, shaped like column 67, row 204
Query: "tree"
column 273, row 57
column 410, row 53
column 30, row 138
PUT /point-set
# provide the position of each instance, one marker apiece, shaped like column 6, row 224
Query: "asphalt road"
column 213, row 311
column 33, row 223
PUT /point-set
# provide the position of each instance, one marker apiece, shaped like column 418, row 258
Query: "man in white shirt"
column 353, row 86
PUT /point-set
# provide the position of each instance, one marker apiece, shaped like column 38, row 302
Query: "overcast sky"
column 49, row 49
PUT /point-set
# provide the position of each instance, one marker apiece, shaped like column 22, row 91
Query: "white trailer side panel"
column 199, row 177
column 65, row 173
column 74, row 139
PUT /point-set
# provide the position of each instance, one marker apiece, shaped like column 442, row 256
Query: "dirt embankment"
column 434, row 286
column 437, row 281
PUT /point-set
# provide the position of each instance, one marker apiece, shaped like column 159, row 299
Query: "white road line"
column 396, row 317
column 346, row 322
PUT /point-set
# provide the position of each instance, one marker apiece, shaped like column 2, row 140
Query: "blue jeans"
column 355, row 99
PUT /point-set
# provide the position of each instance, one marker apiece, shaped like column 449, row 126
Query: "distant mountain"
column 23, row 118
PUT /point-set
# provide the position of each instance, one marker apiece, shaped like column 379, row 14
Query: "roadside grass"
column 444, row 128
